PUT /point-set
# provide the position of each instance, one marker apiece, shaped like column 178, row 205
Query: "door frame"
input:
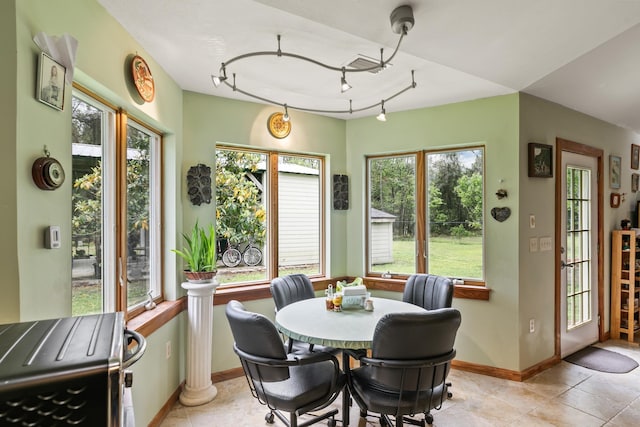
column 586, row 150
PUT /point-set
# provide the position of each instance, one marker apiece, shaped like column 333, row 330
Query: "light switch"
column 533, row 244
column 545, row 244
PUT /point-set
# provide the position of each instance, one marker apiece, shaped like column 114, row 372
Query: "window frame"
column 114, row 202
column 421, row 214
column 271, row 207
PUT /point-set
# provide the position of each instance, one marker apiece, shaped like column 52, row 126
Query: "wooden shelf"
column 625, row 286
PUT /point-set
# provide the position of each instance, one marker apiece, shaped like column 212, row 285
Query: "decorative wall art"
column 340, row 192
column 199, row 184
column 635, row 179
column 142, row 78
column 635, row 156
column 51, row 78
column 500, row 214
column 615, row 171
column 614, row 200
column 277, row 126
column 540, row 160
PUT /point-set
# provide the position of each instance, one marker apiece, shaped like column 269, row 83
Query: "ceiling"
column 583, row 54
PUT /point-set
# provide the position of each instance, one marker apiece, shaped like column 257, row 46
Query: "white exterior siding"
column 381, row 241
column 299, row 219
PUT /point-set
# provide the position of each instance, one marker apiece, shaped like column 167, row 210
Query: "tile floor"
column 565, row 395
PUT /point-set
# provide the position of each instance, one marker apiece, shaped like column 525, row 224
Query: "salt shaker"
column 368, row 305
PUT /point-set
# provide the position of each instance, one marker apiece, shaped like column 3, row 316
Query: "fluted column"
column 198, row 388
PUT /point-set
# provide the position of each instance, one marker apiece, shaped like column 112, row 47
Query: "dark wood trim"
column 229, row 374
column 505, row 374
column 166, row 408
column 459, row 291
column 563, row 145
column 150, row 321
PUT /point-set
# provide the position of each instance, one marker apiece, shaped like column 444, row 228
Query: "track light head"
column 382, row 116
column 286, row 117
column 344, row 86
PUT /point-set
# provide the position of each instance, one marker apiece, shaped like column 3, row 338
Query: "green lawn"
column 448, row 256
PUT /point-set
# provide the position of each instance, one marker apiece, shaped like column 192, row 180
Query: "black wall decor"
column 340, row 192
column 199, row 184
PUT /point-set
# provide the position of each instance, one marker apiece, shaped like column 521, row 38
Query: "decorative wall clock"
column 277, row 126
column 47, row 173
column 142, row 78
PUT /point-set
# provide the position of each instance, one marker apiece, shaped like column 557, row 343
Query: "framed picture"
column 615, row 171
column 635, row 156
column 614, row 201
column 51, row 78
column 635, row 179
column 540, row 160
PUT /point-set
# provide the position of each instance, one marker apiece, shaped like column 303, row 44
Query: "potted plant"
column 199, row 254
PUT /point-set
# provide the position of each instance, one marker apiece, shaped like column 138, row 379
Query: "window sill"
column 459, row 291
column 149, row 321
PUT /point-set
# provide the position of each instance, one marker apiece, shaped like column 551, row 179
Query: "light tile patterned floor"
column 565, row 395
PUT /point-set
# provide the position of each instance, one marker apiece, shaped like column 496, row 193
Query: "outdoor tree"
column 240, row 215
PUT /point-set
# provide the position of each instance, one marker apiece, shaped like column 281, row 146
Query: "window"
column 426, row 214
column 269, row 219
column 115, row 210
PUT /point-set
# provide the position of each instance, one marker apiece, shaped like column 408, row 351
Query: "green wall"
column 489, row 328
column 35, row 284
column 10, row 301
column 542, row 121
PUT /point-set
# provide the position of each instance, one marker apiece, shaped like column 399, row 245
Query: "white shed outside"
column 381, row 236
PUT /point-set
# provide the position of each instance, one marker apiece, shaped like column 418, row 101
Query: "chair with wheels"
column 428, row 291
column 287, row 290
column 406, row 373
column 290, row 383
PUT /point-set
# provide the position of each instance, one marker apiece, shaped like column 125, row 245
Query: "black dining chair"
column 286, row 290
column 291, row 383
column 406, row 373
column 428, row 291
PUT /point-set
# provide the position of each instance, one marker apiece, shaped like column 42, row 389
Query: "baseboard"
column 229, row 374
column 505, row 374
column 166, row 408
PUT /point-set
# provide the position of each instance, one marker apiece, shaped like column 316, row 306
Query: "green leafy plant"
column 200, row 251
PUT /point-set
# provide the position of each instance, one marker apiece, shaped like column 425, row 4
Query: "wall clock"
column 47, row 173
column 277, row 126
column 142, row 78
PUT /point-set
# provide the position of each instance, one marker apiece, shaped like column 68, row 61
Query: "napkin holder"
column 354, row 296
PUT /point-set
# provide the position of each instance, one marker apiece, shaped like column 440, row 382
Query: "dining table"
column 352, row 328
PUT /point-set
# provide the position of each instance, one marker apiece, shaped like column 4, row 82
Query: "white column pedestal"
column 199, row 388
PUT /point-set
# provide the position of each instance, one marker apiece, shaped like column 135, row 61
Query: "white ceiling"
column 584, row 54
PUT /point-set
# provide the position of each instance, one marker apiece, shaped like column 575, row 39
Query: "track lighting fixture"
column 286, row 114
column 401, row 22
column 382, row 116
column 344, row 86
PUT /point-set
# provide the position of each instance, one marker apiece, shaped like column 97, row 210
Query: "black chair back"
column 428, row 291
column 292, row 288
column 414, row 336
column 254, row 334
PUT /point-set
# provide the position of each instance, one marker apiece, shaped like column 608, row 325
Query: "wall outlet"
column 533, row 244
column 532, row 326
column 168, row 349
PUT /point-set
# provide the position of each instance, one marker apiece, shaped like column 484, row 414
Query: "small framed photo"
column 51, row 78
column 540, row 160
column 615, row 171
column 635, row 156
column 635, row 179
column 614, row 201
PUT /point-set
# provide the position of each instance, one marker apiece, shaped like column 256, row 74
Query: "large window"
column 425, row 214
column 269, row 219
column 116, row 256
